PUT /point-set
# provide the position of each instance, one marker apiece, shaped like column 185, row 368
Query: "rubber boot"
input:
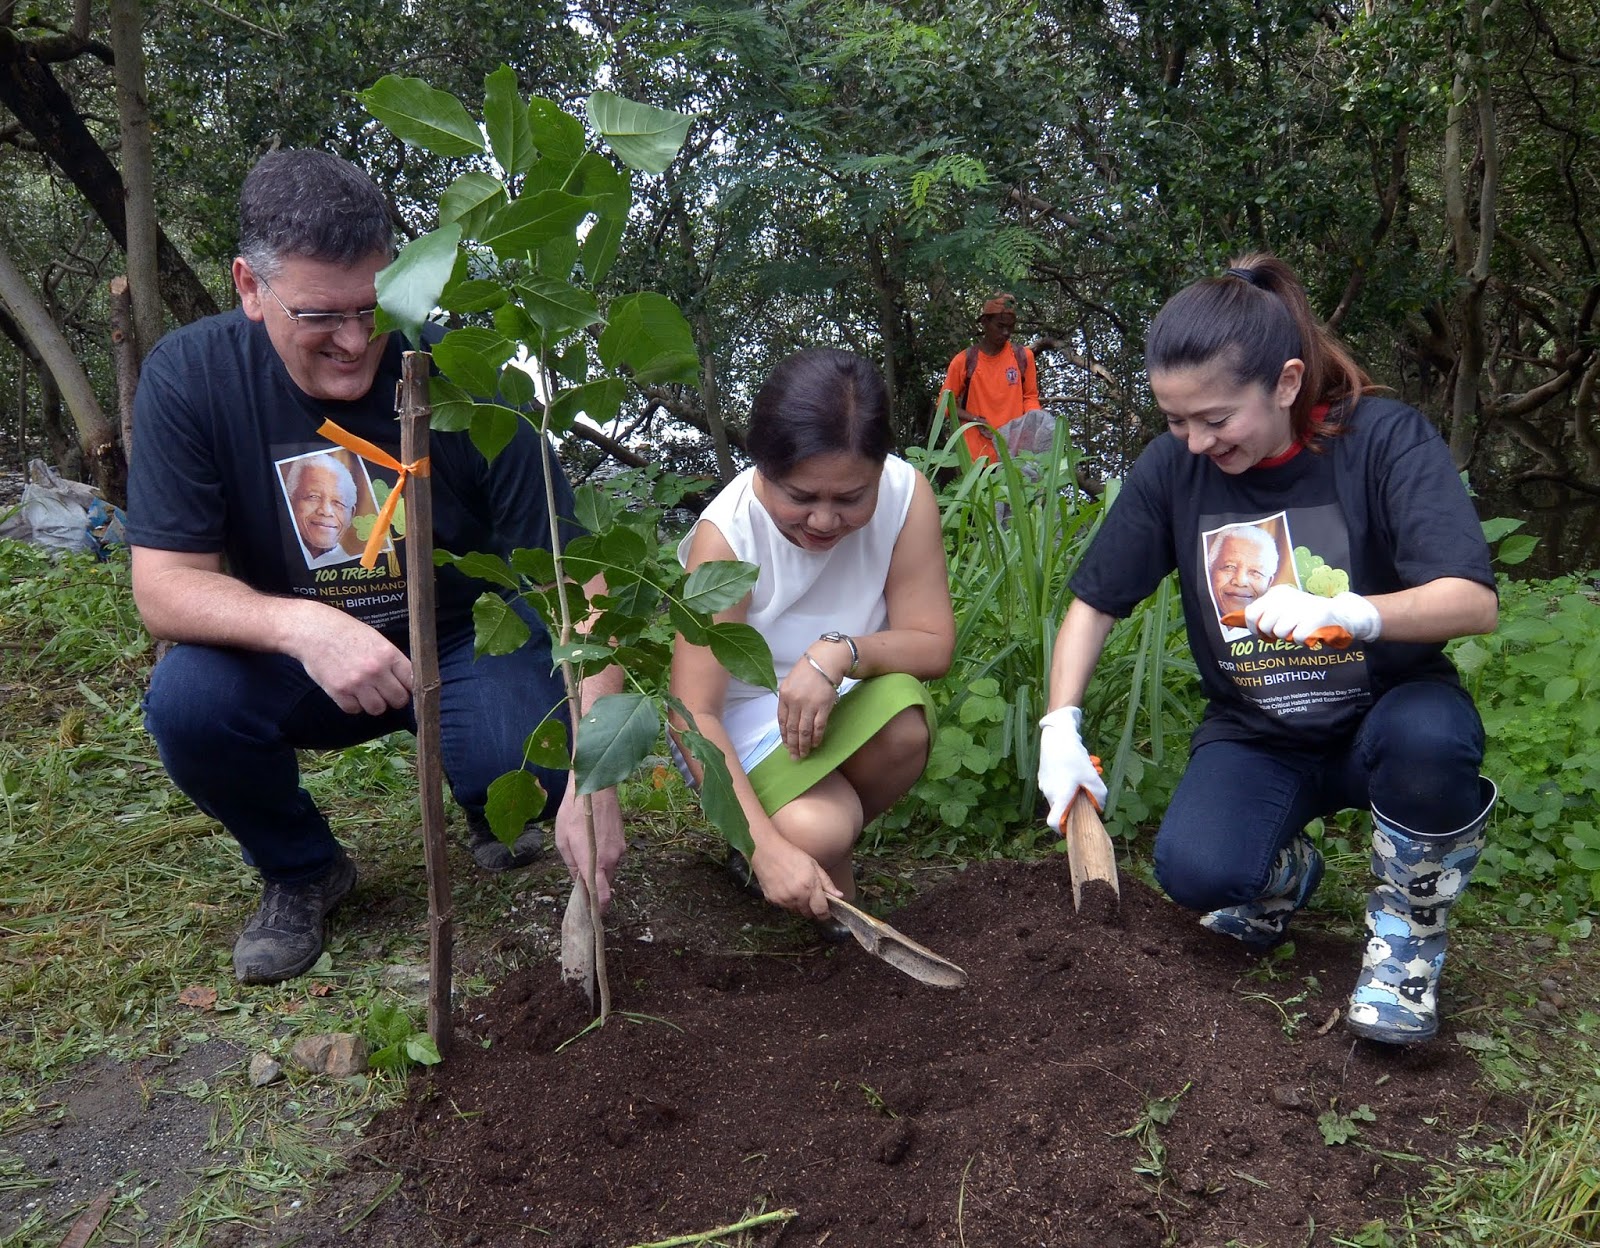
column 1396, row 999
column 1262, row 923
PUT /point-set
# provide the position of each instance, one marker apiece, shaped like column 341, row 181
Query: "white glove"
column 1064, row 765
column 1291, row 614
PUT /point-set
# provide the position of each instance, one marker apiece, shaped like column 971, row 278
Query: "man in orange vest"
column 994, row 381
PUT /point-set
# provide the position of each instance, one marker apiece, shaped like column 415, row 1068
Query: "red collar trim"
column 1319, row 414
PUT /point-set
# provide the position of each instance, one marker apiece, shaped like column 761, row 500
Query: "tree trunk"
column 63, row 452
column 711, row 395
column 97, row 439
column 1473, row 248
column 124, row 352
column 138, row 174
column 46, row 111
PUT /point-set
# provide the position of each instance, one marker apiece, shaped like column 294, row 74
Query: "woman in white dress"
column 853, row 600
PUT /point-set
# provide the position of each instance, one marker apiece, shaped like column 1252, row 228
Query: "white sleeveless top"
column 802, row 594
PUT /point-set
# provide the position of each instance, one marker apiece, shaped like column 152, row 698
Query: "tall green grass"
column 1014, row 532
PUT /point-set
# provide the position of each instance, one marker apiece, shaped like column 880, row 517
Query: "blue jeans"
column 1416, row 757
column 228, row 722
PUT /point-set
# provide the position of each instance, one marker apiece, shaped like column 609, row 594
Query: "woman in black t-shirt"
column 1326, row 550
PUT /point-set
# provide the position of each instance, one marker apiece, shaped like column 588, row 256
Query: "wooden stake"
column 415, row 414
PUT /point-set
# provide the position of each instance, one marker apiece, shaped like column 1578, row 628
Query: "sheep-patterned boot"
column 1262, row 923
column 1396, row 999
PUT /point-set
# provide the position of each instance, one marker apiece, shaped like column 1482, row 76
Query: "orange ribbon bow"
column 377, row 455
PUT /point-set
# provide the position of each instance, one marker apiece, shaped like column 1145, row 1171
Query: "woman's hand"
column 1291, row 614
column 805, row 700
column 791, row 878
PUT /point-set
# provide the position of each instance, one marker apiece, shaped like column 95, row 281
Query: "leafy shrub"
column 1536, row 682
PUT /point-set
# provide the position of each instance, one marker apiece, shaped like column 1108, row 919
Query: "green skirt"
column 778, row 779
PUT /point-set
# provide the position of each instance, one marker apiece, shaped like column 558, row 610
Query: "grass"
column 116, row 896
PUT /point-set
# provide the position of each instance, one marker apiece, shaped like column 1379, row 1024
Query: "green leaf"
column 557, row 133
column 472, row 357
column 644, row 137
column 493, row 427
column 483, row 567
column 637, row 599
column 471, row 201
column 476, row 295
column 613, row 738
column 598, row 400
column 516, row 387
column 1495, row 529
column 420, row 1048
column 452, row 406
column 717, row 584
column 547, row 747
column 694, row 631
column 717, row 796
column 1560, row 689
column 598, row 179
column 580, row 652
column 528, row 223
column 409, row 288
column 497, row 629
column 514, row 799
column 387, row 1024
column 535, row 563
column 648, row 335
column 558, row 307
column 505, row 117
column 425, row 118
column 744, row 652
column 1516, row 549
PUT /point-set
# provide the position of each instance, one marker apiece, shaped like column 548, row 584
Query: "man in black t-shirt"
column 247, row 518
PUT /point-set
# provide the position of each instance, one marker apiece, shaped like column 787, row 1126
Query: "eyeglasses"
column 323, row 322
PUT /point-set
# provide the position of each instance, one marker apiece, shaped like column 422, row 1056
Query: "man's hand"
column 572, row 839
column 1064, row 765
column 805, row 700
column 1291, row 614
column 353, row 663
column 793, row 879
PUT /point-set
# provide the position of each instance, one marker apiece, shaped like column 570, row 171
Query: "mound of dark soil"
column 1125, row 1084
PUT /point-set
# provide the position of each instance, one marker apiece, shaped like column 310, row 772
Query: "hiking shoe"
column 492, row 854
column 284, row 937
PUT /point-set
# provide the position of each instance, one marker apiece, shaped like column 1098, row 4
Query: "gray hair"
column 298, row 469
column 308, row 203
column 1253, row 533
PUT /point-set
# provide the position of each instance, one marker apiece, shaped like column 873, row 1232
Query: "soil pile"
column 1093, row 1084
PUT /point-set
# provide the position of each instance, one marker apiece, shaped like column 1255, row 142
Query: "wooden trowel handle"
column 1089, row 852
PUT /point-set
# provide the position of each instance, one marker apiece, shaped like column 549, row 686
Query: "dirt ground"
column 1141, row 1083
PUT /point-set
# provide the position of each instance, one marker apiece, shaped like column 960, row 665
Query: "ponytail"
column 1256, row 317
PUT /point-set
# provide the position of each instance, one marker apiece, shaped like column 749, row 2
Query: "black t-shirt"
column 1379, row 508
column 227, row 459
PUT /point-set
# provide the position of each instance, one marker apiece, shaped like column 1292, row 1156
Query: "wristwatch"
column 855, row 655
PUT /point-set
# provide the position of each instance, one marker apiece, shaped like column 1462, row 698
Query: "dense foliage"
column 860, row 173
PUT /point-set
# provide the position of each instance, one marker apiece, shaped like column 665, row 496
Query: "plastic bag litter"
column 1032, row 433
column 63, row 515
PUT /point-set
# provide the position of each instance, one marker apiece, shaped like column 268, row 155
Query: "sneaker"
column 284, row 937
column 493, row 854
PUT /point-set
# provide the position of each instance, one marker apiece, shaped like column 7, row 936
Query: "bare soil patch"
column 1133, row 1083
